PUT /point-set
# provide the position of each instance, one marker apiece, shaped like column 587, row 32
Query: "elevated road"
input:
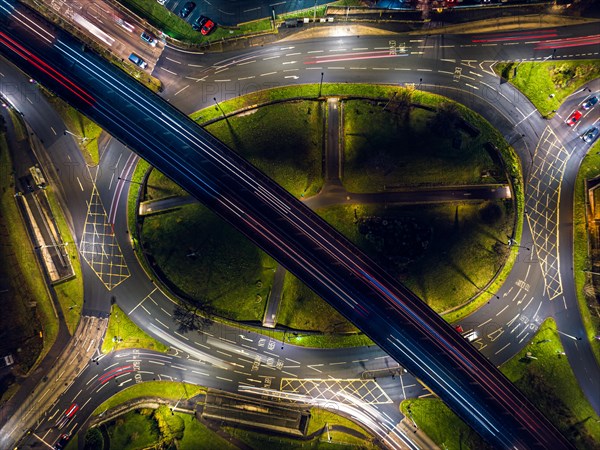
column 391, row 315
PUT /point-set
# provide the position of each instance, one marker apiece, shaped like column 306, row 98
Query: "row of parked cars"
column 202, row 24
column 592, row 133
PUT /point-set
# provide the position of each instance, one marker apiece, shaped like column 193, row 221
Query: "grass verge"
column 547, row 381
column 80, row 126
column 159, row 186
column 170, row 390
column 386, row 149
column 283, row 140
column 123, row 333
column 133, row 430
column 546, row 84
column 460, row 245
column 27, row 311
column 582, row 262
column 69, row 292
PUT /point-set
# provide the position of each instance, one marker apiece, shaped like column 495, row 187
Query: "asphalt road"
column 530, row 284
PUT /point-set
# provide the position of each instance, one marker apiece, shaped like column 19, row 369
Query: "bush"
column 93, row 440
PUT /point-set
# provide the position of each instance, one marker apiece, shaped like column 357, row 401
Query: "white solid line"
column 482, row 324
column 502, row 310
column 502, row 348
column 182, row 89
column 79, row 181
column 161, row 323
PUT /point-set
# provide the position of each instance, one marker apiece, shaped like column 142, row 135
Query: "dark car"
column 187, row 9
column 209, row 25
column 590, row 102
column 149, row 38
column 199, row 23
column 62, row 442
column 590, row 135
column 574, row 118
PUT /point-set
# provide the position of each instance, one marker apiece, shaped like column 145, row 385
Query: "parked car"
column 187, row 9
column 590, row 135
column 149, row 38
column 590, row 102
column 199, row 23
column 574, row 118
column 138, row 61
column 161, row 2
column 209, row 25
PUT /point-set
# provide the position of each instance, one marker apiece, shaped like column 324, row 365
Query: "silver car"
column 590, row 135
column 138, row 61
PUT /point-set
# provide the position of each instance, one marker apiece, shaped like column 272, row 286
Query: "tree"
column 402, row 102
column 193, row 316
column 93, row 439
column 445, row 119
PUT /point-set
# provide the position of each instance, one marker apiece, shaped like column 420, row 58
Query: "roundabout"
column 539, row 285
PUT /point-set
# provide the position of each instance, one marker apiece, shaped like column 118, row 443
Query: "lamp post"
column 321, row 84
column 219, row 107
column 76, row 136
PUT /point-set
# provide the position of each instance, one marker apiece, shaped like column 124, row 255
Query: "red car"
column 208, row 26
column 66, row 418
column 574, row 118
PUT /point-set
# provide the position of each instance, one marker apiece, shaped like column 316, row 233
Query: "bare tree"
column 445, row 119
column 193, row 316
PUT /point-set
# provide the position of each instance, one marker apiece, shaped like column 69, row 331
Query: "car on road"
column 574, row 118
column 590, row 135
column 187, row 9
column 590, row 102
column 209, row 25
column 69, row 414
column 471, row 336
column 138, row 61
column 62, row 442
column 148, row 38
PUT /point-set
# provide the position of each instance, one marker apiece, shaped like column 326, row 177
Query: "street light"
column 81, row 138
column 129, row 181
column 219, row 107
column 321, row 84
column 575, row 338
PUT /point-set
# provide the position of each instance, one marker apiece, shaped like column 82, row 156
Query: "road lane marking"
column 502, row 348
column 182, row 89
column 161, row 323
